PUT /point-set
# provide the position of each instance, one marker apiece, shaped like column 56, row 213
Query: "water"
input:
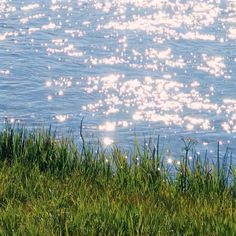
column 131, row 68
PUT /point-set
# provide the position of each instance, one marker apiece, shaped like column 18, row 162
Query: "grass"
column 52, row 187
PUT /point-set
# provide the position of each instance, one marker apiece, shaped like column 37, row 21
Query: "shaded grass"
column 50, row 187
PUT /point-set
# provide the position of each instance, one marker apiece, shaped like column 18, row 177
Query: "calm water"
column 130, row 67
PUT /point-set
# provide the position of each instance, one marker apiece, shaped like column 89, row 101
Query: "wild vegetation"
column 50, row 186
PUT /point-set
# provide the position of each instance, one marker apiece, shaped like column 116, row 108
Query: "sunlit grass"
column 52, row 187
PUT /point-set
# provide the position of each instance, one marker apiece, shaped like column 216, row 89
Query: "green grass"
column 51, row 187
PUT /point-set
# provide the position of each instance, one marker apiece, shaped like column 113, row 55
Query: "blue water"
column 130, row 68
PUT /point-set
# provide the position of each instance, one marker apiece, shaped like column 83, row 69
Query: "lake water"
column 129, row 67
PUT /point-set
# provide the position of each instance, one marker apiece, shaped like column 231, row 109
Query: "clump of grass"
column 49, row 186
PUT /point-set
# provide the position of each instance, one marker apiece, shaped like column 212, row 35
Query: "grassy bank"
column 51, row 187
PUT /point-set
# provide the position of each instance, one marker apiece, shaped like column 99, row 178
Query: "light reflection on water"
column 131, row 68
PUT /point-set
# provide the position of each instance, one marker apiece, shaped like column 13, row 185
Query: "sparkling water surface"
column 131, row 68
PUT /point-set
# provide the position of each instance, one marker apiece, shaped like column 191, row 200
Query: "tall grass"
column 49, row 186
